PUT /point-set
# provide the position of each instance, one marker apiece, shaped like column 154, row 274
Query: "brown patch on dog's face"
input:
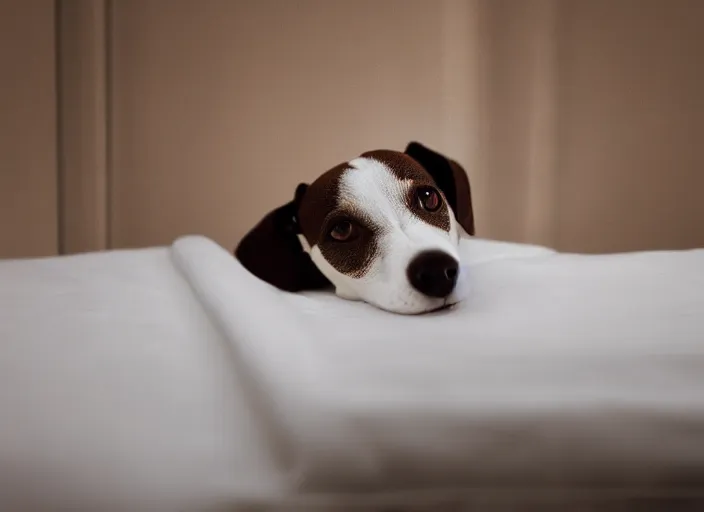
column 387, row 197
column 321, row 198
column 332, row 199
column 406, row 168
column 321, row 210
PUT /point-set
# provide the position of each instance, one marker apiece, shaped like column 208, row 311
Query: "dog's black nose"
column 433, row 273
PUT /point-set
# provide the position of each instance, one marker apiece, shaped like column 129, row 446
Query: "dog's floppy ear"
column 272, row 252
column 452, row 180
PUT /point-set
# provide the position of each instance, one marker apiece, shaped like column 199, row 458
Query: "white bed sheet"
column 116, row 392
column 559, row 370
column 120, row 390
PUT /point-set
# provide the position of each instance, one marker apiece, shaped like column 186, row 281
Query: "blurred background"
column 127, row 123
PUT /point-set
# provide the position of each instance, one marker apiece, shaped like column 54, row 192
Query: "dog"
column 383, row 228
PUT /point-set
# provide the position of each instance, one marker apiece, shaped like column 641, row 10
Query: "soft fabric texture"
column 116, row 391
column 172, row 379
column 590, row 365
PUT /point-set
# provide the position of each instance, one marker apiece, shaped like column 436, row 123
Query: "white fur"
column 375, row 189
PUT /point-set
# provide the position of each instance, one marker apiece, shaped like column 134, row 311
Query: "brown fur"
column 272, row 251
column 319, row 212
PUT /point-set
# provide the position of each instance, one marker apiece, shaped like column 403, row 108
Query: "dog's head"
column 383, row 228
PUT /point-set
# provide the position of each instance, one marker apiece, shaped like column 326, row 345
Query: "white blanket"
column 117, row 394
column 559, row 371
column 170, row 379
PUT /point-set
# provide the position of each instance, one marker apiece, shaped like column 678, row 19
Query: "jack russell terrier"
column 383, row 228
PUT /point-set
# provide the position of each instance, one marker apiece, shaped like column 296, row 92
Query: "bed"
column 170, row 379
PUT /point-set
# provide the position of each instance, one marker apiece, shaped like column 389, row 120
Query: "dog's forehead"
column 378, row 184
column 402, row 166
column 374, row 180
column 379, row 165
column 374, row 189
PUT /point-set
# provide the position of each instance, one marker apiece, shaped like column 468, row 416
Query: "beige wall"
column 631, row 158
column 28, row 151
column 592, row 123
column 578, row 120
column 221, row 108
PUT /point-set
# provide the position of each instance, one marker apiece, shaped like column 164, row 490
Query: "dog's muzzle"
column 433, row 273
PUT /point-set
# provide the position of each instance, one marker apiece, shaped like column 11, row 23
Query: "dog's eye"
column 342, row 231
column 428, row 198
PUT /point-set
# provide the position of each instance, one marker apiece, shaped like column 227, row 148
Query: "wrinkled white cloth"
column 117, row 393
column 557, row 370
column 171, row 379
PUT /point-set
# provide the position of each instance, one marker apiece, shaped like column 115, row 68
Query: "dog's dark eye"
column 342, row 231
column 428, row 198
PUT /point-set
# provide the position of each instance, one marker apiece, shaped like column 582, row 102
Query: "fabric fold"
column 558, row 370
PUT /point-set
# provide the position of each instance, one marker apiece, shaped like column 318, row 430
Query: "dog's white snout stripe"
column 378, row 195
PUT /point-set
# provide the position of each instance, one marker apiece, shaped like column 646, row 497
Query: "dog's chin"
column 408, row 303
column 445, row 307
column 434, row 306
column 403, row 300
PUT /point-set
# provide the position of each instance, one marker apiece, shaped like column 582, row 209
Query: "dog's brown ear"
column 272, row 252
column 452, row 180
